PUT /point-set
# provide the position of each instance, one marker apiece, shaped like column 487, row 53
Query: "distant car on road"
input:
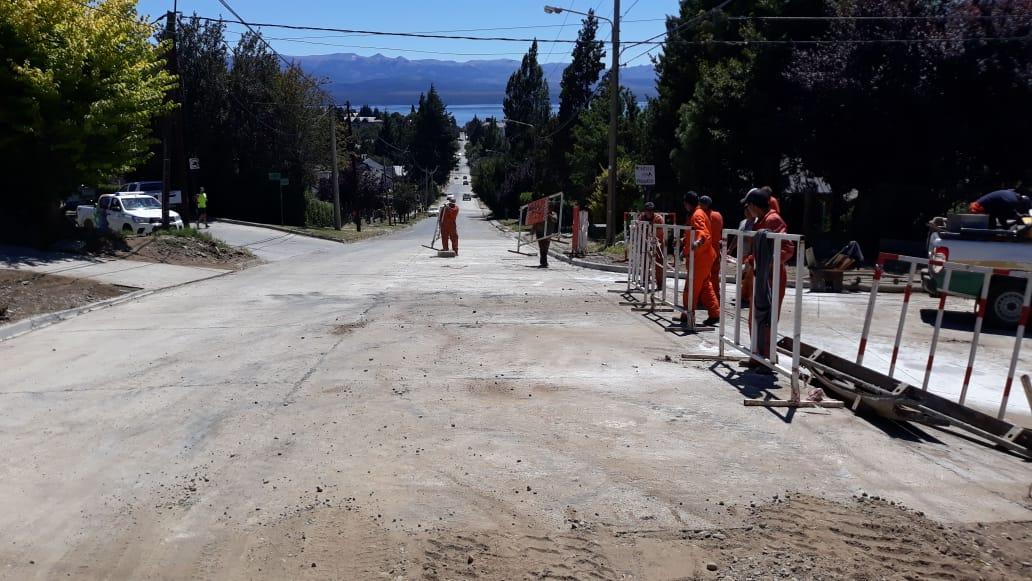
column 433, row 211
column 466, row 197
column 127, row 212
column 153, row 188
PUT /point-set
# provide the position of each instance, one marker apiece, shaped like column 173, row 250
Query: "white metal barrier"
column 948, row 270
column 778, row 242
column 530, row 215
column 651, row 265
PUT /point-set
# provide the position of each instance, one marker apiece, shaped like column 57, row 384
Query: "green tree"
column 79, row 89
column 577, row 89
column 588, row 156
column 434, row 144
column 526, row 101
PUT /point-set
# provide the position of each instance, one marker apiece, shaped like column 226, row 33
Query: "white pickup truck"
column 967, row 239
column 127, row 212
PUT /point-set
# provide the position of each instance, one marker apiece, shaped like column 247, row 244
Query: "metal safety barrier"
column 948, row 271
column 735, row 341
column 531, row 215
column 651, row 265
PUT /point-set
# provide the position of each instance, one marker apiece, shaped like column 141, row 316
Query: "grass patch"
column 193, row 234
column 348, row 233
column 615, row 251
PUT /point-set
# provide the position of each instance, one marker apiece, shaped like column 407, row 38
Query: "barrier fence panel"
column 947, row 271
column 539, row 211
column 753, row 350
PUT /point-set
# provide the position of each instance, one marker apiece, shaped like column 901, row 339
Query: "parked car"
column 433, row 211
column 128, row 212
column 153, row 188
column 466, row 197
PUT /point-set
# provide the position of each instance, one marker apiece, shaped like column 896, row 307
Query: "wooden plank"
column 784, row 403
column 1028, row 389
column 915, row 395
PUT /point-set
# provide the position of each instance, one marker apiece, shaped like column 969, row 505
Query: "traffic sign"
column 195, row 163
column 284, row 181
column 645, row 175
column 274, row 175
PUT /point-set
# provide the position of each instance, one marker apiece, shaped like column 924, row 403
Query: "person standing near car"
column 202, row 208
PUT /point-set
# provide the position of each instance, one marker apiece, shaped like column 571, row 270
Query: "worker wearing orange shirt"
column 701, row 246
column 649, row 215
column 757, row 203
column 449, row 230
column 717, row 229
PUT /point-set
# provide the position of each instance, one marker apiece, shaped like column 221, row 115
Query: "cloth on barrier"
column 537, row 211
column 763, row 262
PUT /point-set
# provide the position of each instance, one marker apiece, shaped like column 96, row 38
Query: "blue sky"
column 643, row 19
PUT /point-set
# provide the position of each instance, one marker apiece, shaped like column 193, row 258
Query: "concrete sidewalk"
column 127, row 273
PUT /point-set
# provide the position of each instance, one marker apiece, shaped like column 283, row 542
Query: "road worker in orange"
column 649, row 215
column 758, row 204
column 701, row 245
column 717, row 230
column 449, row 230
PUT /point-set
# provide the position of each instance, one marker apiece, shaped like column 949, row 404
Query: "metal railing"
column 947, row 270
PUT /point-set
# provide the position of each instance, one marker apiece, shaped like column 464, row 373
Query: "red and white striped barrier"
column 948, row 269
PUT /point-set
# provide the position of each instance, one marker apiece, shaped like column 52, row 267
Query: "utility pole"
column 166, row 146
column 614, row 118
column 334, row 172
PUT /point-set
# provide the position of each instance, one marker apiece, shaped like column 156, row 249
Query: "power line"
column 388, row 48
column 692, row 20
column 633, row 4
column 566, row 17
column 255, row 32
column 400, row 34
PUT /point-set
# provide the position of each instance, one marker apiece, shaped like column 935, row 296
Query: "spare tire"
column 1006, row 299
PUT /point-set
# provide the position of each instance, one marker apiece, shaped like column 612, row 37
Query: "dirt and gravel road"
column 371, row 411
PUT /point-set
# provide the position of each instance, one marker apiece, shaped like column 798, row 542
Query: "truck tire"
column 1006, row 296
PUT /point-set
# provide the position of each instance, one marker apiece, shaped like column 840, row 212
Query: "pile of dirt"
column 26, row 294
column 194, row 249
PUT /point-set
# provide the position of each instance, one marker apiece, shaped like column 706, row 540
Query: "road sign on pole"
column 645, row 175
column 195, row 163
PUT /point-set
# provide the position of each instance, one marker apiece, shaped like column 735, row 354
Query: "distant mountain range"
column 380, row 80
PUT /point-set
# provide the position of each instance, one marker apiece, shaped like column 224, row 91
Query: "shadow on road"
column 959, row 321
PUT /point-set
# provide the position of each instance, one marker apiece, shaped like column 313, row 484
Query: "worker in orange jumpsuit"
column 449, row 230
column 649, row 215
column 717, row 229
column 747, row 225
column 758, row 204
column 701, row 245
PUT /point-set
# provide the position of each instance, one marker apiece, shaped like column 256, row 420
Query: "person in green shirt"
column 202, row 208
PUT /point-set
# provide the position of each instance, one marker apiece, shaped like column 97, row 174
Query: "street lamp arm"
column 532, row 126
column 558, row 10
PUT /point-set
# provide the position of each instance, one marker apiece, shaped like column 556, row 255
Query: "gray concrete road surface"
column 341, row 409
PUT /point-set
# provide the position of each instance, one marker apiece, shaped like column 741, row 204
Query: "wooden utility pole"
column 166, row 145
column 335, row 174
column 614, row 118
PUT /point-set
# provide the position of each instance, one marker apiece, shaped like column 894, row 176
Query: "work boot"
column 711, row 321
column 543, row 265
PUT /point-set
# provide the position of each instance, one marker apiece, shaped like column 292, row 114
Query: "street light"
column 614, row 107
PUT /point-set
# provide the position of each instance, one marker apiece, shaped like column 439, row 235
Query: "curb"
column 289, row 230
column 8, row 332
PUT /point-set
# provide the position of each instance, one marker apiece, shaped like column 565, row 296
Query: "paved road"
column 376, row 410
